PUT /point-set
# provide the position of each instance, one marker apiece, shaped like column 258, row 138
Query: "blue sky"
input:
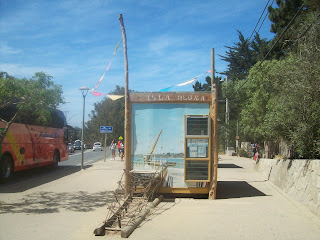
column 168, row 42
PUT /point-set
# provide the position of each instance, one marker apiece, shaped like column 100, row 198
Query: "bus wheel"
column 56, row 158
column 6, row 168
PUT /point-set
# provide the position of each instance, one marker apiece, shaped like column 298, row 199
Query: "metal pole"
column 105, row 147
column 84, row 100
column 84, row 91
column 227, row 122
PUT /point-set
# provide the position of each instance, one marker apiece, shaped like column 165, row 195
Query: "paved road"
column 90, row 157
column 25, row 180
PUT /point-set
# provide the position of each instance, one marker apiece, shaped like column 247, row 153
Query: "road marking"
column 78, row 153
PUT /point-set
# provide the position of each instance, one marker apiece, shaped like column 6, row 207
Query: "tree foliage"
column 281, row 16
column 243, row 55
column 292, row 14
column 283, row 98
column 31, row 96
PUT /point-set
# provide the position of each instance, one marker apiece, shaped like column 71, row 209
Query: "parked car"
column 71, row 148
column 77, row 145
column 97, row 146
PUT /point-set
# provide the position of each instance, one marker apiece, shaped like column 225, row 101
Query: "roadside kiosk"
column 174, row 130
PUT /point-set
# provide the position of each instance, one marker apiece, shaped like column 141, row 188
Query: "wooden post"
column 127, row 135
column 214, row 112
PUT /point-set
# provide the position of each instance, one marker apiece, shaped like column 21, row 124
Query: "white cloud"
column 21, row 70
column 6, row 50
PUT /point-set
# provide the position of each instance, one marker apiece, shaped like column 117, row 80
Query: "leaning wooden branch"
column 4, row 132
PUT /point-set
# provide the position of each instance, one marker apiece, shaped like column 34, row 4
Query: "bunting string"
column 108, row 67
column 112, row 97
column 184, row 83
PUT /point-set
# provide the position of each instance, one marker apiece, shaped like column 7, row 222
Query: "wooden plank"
column 203, row 190
column 100, row 231
column 170, row 97
column 112, row 229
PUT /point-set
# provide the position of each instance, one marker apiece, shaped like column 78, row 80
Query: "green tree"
column 280, row 16
column 198, row 86
column 33, row 95
column 291, row 13
column 239, row 58
column 260, row 47
column 284, row 103
column 263, row 84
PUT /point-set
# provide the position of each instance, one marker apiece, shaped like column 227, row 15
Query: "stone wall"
column 300, row 179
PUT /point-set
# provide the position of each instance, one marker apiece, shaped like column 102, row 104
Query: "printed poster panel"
column 197, row 148
column 166, row 121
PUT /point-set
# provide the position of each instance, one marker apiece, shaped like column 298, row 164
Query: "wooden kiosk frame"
column 209, row 185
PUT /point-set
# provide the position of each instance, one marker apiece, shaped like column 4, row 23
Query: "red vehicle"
column 30, row 145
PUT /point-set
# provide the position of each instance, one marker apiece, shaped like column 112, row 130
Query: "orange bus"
column 30, row 145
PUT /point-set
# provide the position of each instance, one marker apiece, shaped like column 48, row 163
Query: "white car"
column 97, row 146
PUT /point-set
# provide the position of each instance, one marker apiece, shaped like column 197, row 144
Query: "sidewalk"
column 70, row 207
column 248, row 207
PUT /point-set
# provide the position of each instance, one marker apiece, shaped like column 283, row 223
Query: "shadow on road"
column 51, row 202
column 236, row 189
column 29, row 179
column 228, row 165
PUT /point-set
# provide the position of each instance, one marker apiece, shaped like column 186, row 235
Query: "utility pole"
column 214, row 117
column 227, row 121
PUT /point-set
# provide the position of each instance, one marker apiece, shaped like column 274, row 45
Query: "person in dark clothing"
column 254, row 150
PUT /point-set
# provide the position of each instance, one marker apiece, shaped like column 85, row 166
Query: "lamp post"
column 84, row 91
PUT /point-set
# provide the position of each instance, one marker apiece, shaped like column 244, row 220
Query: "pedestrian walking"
column 113, row 147
column 254, row 150
column 255, row 155
column 121, row 150
column 119, row 146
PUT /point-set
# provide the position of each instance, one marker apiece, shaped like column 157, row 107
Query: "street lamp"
column 84, row 91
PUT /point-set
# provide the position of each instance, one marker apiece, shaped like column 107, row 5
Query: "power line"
column 284, row 31
column 259, row 20
column 254, row 30
column 264, row 18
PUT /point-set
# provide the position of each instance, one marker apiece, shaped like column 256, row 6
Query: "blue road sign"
column 106, row 129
